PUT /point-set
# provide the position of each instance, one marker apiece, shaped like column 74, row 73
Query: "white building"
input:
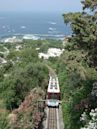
column 13, row 39
column 52, row 52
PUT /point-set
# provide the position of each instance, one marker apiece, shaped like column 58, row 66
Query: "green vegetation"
column 2, row 48
column 20, row 81
column 23, row 81
column 30, row 112
column 79, row 62
column 77, row 67
column 25, row 76
column 44, row 45
column 23, row 72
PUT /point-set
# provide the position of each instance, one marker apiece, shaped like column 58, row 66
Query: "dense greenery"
column 76, row 69
column 23, row 72
column 30, row 112
column 79, row 62
column 44, row 45
column 23, row 81
column 16, row 86
column 84, row 26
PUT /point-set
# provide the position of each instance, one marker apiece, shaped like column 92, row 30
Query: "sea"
column 33, row 25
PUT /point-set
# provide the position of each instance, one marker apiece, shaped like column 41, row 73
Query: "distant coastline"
column 39, row 25
column 20, row 38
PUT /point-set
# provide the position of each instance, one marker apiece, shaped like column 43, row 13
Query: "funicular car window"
column 53, row 96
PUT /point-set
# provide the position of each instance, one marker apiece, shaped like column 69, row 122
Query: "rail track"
column 52, row 118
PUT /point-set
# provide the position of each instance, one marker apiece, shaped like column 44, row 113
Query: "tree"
column 84, row 27
column 80, row 59
column 20, row 81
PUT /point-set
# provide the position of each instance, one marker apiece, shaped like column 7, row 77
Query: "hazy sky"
column 40, row 5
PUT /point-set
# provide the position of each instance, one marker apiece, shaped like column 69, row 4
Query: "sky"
column 40, row 5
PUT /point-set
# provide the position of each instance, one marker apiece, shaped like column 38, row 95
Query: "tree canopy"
column 84, row 27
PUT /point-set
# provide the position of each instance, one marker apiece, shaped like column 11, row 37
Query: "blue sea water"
column 38, row 24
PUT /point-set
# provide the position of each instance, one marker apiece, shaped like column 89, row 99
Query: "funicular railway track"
column 52, row 118
column 53, row 97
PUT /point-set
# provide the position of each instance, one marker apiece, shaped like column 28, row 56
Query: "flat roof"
column 53, row 85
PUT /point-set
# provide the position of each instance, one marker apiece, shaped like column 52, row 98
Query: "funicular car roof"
column 53, row 86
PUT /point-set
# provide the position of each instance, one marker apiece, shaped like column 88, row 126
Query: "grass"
column 2, row 48
column 2, row 107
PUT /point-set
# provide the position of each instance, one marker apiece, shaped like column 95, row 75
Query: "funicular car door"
column 53, row 96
